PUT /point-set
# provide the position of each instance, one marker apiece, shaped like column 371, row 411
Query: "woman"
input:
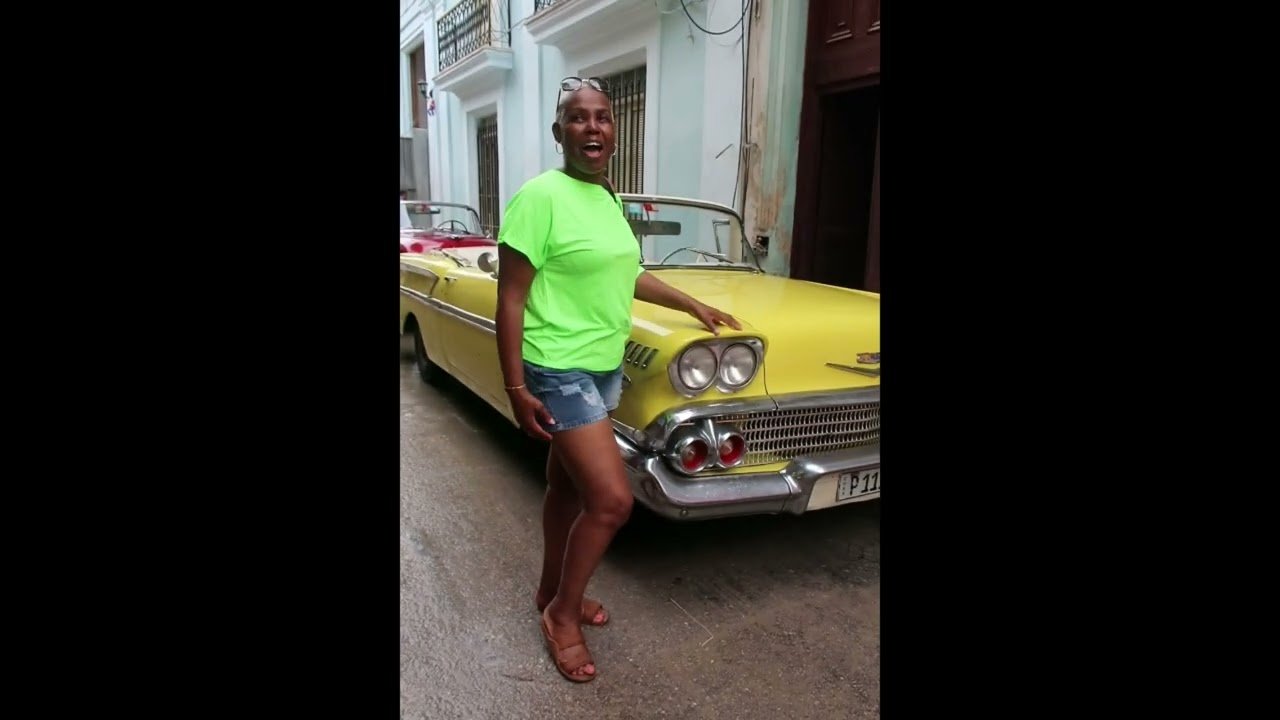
column 570, row 268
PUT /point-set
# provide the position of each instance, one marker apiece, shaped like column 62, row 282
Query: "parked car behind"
column 432, row 225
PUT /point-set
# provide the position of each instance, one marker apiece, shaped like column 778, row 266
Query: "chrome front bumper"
column 786, row 491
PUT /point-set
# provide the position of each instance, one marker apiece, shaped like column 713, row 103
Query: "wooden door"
column 848, row 40
column 846, row 175
column 839, row 148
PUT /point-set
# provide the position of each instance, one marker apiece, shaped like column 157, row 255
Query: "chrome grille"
column 780, row 435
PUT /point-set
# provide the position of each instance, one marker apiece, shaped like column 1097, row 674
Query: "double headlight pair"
column 728, row 365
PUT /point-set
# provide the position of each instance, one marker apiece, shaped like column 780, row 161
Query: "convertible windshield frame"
column 747, row 250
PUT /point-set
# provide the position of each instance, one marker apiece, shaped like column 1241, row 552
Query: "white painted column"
column 406, row 97
column 438, row 123
column 535, row 122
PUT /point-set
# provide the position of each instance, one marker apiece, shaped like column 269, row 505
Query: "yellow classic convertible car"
column 782, row 416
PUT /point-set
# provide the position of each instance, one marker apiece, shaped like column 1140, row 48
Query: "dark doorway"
column 846, row 232
column 836, row 233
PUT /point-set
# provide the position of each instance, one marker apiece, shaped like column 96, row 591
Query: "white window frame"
column 488, row 103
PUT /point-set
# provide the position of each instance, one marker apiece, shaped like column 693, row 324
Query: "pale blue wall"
column 680, row 104
column 680, row 118
column 510, row 159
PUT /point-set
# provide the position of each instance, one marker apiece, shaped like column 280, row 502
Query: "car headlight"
column 697, row 367
column 730, row 365
column 737, row 366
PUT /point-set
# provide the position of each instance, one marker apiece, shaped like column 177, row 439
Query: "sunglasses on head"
column 570, row 84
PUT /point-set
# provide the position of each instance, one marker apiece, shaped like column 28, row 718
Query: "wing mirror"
column 488, row 263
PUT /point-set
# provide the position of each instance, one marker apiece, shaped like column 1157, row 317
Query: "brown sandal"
column 575, row 656
column 589, row 610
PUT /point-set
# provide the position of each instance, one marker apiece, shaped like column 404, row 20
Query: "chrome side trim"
column 470, row 318
column 410, row 292
column 483, row 323
column 414, row 269
column 828, row 398
column 869, row 372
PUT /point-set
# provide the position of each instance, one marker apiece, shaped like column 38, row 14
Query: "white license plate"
column 854, row 485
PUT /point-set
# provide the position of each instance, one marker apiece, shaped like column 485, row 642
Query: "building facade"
column 711, row 99
column 415, row 110
column 493, row 69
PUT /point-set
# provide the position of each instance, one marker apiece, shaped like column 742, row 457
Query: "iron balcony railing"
column 470, row 26
column 542, row 4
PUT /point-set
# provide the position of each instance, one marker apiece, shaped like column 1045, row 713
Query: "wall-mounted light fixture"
column 422, row 88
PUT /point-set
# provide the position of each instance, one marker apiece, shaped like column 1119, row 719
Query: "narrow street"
column 760, row 617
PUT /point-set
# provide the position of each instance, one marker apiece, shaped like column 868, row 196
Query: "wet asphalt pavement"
column 760, row 617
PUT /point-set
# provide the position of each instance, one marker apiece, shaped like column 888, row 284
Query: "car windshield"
column 687, row 233
column 440, row 217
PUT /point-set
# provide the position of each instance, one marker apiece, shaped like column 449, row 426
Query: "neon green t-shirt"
column 578, row 313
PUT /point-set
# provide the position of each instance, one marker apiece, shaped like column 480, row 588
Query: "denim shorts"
column 574, row 397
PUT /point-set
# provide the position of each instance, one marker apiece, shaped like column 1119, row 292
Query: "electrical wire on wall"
column 745, row 5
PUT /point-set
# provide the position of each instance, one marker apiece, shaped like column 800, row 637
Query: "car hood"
column 805, row 325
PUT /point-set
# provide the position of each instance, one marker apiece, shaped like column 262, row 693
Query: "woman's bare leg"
column 590, row 455
column 560, row 508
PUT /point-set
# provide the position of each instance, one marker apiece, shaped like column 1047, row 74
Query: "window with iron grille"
column 487, row 157
column 626, row 167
